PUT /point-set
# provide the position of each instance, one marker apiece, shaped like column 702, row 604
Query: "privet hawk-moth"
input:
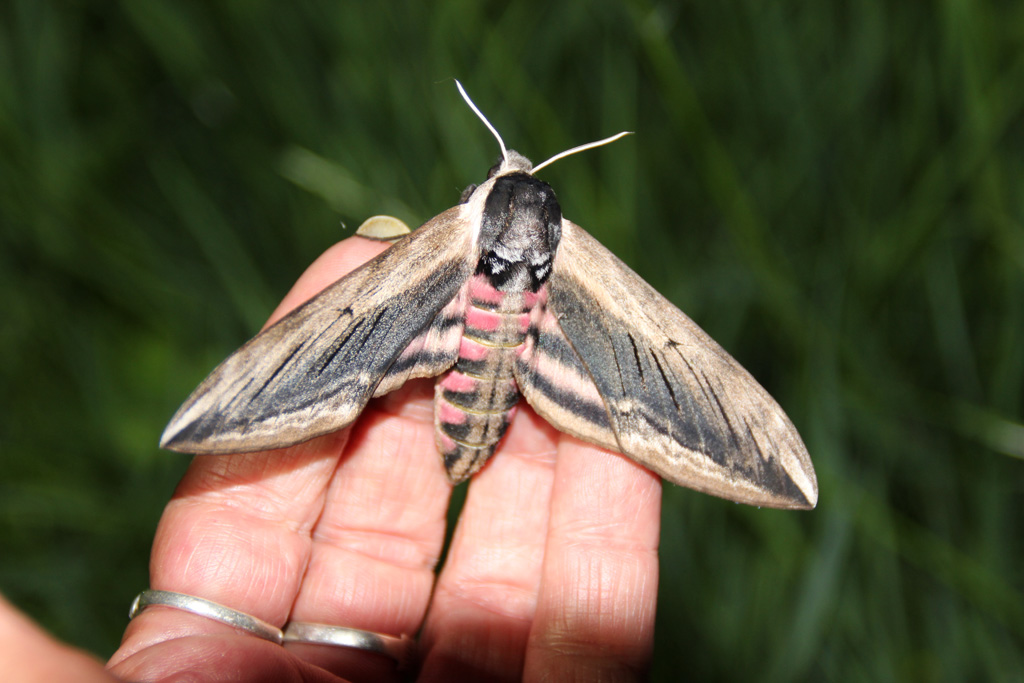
column 499, row 297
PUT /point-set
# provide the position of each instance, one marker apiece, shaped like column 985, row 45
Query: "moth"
column 501, row 297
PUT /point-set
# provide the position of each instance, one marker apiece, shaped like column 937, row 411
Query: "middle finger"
column 486, row 595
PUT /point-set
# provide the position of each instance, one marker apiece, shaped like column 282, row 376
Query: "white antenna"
column 580, row 148
column 462, row 91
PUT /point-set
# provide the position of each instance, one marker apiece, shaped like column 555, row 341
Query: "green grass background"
column 833, row 190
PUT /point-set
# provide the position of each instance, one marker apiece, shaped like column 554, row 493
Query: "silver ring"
column 208, row 609
column 399, row 649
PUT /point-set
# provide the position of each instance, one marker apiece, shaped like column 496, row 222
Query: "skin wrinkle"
column 395, row 472
column 229, row 504
column 517, row 505
column 613, row 531
column 496, row 563
column 600, row 601
column 244, row 517
column 543, row 459
column 502, row 576
column 505, row 599
column 592, row 540
column 263, row 473
column 223, row 554
column 414, row 528
column 377, row 585
column 370, row 544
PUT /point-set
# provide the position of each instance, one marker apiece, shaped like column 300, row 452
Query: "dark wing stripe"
column 636, row 358
column 314, row 370
column 730, row 430
column 753, row 438
column 273, row 375
column 665, row 380
column 594, row 413
column 340, row 343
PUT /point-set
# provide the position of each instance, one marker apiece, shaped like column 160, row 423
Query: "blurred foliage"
column 832, row 190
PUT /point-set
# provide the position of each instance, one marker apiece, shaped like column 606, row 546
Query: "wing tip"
column 784, row 490
column 190, row 431
column 801, row 491
column 797, row 490
column 812, row 499
column 807, row 500
column 177, row 437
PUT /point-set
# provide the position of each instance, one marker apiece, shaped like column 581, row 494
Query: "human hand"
column 551, row 574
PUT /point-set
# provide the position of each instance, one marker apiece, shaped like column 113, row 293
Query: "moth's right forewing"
column 677, row 402
column 396, row 317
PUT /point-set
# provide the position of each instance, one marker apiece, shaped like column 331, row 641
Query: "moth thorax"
column 520, row 231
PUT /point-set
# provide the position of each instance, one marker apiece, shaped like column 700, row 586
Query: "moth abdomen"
column 463, row 461
column 478, row 394
column 474, row 401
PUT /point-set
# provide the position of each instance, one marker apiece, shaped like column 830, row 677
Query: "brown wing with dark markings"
column 676, row 402
column 396, row 317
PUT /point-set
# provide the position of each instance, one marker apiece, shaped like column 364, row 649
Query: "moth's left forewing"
column 676, row 401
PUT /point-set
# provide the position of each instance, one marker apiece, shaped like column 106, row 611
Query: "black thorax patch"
column 520, row 231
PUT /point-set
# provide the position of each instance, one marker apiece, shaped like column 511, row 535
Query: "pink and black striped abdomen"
column 475, row 400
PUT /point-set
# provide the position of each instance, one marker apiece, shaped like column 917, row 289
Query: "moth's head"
column 513, row 162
